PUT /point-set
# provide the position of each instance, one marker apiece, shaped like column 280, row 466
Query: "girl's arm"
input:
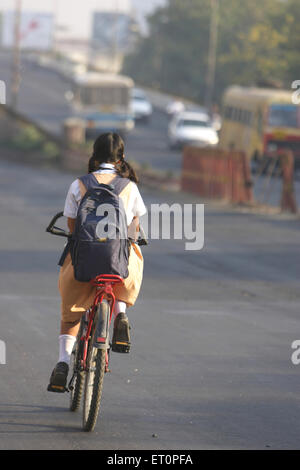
column 136, row 224
column 71, row 224
column 134, row 228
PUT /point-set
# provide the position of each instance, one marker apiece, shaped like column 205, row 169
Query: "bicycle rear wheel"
column 94, row 376
column 77, row 387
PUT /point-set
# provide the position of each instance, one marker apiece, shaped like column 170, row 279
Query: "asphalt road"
column 210, row 366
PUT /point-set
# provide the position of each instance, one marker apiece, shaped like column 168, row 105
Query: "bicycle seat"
column 103, row 279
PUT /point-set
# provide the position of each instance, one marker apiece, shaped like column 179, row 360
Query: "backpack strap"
column 118, row 183
column 89, row 181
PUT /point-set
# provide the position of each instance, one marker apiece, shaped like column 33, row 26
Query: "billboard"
column 112, row 30
column 36, row 30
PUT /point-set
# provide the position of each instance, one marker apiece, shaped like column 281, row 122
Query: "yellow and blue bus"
column 260, row 122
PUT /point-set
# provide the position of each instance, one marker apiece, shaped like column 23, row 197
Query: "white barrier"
column 2, row 92
column 2, row 353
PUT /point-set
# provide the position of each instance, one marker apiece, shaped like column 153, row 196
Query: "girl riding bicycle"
column 106, row 164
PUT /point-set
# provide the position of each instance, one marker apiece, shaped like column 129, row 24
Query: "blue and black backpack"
column 100, row 240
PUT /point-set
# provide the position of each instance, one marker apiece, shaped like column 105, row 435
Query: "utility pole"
column 212, row 54
column 16, row 73
column 115, row 46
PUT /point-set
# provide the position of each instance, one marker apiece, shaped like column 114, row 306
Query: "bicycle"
column 91, row 354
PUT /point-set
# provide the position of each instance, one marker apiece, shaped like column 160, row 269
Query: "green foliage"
column 30, row 141
column 51, row 150
column 258, row 40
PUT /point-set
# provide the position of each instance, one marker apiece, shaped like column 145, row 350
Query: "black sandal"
column 121, row 336
column 58, row 379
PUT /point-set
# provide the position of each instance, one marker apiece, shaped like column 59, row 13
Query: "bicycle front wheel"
column 94, row 376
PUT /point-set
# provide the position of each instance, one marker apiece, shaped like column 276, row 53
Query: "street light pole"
column 15, row 85
column 212, row 54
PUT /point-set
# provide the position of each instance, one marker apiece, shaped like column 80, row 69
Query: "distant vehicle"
column 103, row 101
column 175, row 107
column 217, row 122
column 141, row 106
column 190, row 128
column 260, row 122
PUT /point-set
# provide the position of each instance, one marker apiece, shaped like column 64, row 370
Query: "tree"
column 292, row 46
column 258, row 41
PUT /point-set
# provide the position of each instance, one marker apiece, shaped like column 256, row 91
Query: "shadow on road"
column 9, row 411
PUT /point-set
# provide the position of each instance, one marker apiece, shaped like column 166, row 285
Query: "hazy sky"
column 76, row 14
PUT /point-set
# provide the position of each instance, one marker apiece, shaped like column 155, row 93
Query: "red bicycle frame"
column 104, row 285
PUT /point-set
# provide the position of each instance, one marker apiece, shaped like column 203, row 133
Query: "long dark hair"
column 109, row 148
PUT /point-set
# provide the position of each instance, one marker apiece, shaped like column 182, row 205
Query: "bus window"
column 281, row 115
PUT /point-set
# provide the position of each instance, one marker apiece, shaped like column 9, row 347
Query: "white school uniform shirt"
column 136, row 206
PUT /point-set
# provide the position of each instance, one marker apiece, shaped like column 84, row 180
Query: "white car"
column 140, row 105
column 192, row 128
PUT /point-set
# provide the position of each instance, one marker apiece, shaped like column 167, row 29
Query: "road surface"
column 210, row 366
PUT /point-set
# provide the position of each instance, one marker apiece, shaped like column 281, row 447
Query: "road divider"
column 217, row 174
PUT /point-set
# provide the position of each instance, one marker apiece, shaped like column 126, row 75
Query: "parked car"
column 140, row 105
column 192, row 128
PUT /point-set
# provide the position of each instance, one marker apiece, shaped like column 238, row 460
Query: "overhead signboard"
column 112, row 30
column 36, row 30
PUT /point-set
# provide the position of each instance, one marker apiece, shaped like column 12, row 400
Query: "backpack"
column 100, row 239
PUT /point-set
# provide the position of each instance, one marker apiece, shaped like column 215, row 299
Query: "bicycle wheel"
column 77, row 387
column 93, row 385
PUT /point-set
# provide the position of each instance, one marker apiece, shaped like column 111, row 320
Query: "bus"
column 103, row 102
column 261, row 122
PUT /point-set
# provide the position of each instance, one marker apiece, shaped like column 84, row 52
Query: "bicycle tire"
column 76, row 392
column 94, row 376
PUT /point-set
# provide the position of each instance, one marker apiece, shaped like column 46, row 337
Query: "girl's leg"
column 121, row 335
column 67, row 339
column 120, row 307
column 70, row 328
column 66, row 344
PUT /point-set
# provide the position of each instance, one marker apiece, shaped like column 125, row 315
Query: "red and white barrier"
column 217, row 174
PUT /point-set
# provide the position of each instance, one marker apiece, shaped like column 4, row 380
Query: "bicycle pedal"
column 121, row 347
column 57, row 388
